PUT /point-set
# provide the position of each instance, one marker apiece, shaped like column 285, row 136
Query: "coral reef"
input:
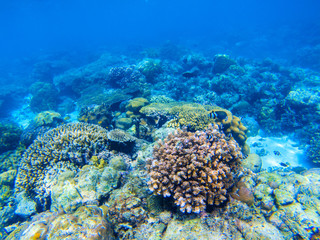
column 97, row 95
column 87, row 222
column 313, row 151
column 68, row 146
column 100, row 115
column 150, row 68
column 48, row 118
column 196, row 169
column 120, row 140
column 72, row 82
column 9, row 136
column 126, row 211
column 95, row 181
column 6, row 186
column 126, row 76
column 221, row 63
column 197, row 117
column 45, row 97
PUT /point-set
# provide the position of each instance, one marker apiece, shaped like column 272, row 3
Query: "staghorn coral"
column 196, row 169
column 68, row 146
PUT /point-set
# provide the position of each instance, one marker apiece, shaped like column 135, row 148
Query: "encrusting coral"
column 198, row 117
column 68, row 146
column 196, row 169
column 120, row 140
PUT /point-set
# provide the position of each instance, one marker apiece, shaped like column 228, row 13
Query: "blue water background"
column 250, row 28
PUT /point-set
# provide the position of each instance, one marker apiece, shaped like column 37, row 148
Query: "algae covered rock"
column 9, row 136
column 252, row 162
column 124, row 123
column 136, row 104
column 26, row 206
column 45, row 97
column 87, row 187
column 121, row 141
column 87, row 222
column 221, row 63
column 47, row 118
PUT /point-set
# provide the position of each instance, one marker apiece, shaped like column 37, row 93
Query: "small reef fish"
column 277, row 153
column 285, row 164
column 220, row 115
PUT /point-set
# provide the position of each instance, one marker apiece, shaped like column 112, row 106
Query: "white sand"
column 288, row 149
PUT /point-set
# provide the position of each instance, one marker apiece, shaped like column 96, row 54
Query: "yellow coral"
column 198, row 117
column 46, row 118
column 136, row 104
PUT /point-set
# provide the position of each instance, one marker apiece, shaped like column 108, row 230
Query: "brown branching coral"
column 196, row 169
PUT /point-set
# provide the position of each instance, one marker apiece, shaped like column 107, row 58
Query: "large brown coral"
column 196, row 169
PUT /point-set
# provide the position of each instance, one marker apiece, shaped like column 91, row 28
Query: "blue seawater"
column 88, row 88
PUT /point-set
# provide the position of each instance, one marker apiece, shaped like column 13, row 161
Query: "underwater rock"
column 303, row 98
column 9, row 136
column 150, row 68
column 25, row 206
column 44, row 97
column 87, row 222
column 48, row 118
column 126, row 210
column 124, row 123
column 252, row 162
column 194, row 229
column 10, row 160
column 313, row 151
column 136, row 104
column 6, row 186
column 259, row 230
column 195, row 61
column 88, row 187
column 125, row 77
column 221, row 63
column 72, row 82
column 96, row 114
column 283, row 197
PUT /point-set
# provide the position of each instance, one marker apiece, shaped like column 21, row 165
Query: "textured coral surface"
column 69, row 146
column 196, row 169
